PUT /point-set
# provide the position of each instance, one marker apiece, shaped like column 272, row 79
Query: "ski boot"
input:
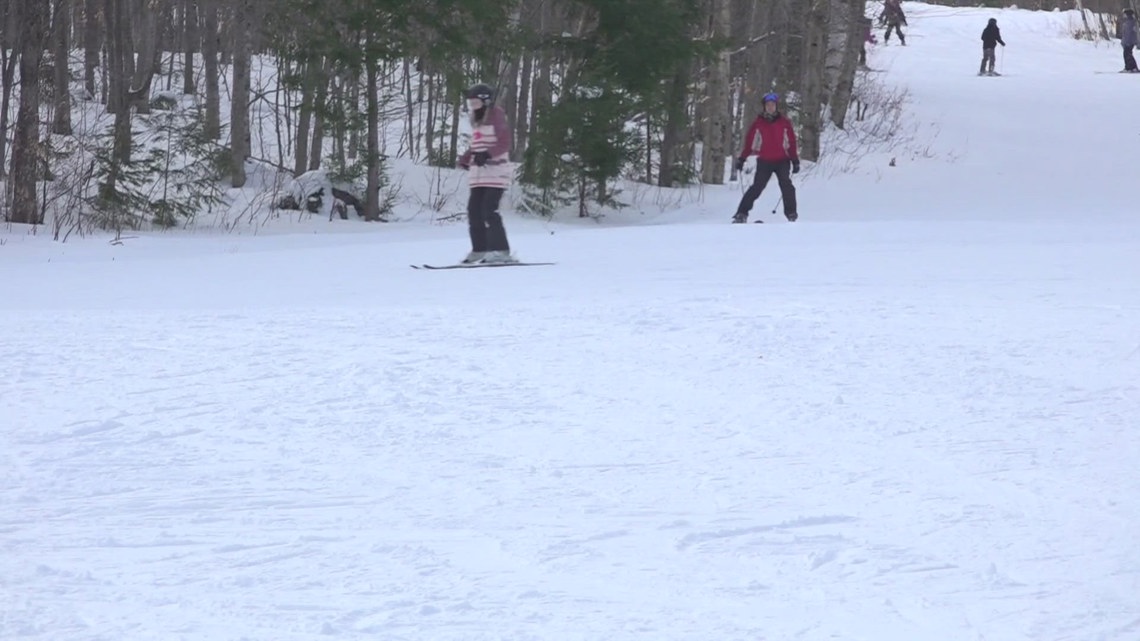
column 497, row 257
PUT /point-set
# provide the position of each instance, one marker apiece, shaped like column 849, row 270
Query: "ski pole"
column 777, row 204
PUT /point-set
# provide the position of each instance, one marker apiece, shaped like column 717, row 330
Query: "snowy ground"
column 901, row 418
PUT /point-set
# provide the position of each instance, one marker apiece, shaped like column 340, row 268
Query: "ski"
column 477, row 265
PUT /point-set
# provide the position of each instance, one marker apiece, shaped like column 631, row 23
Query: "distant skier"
column 772, row 139
column 991, row 38
column 894, row 18
column 869, row 37
column 489, row 176
column 1128, row 39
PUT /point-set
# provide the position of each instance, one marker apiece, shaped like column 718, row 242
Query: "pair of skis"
column 477, row 265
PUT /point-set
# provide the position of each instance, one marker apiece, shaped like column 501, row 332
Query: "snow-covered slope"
column 911, row 415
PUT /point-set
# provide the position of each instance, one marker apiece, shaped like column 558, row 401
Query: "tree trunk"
column 718, row 108
column 93, row 29
column 354, row 104
column 61, row 37
column 148, row 27
column 26, row 157
column 119, row 63
column 239, row 104
column 8, row 61
column 673, row 130
column 790, row 18
column 410, row 113
column 509, row 91
column 338, row 128
column 305, row 116
column 522, row 119
column 453, row 149
column 189, row 45
column 428, row 78
column 117, row 55
column 316, row 151
column 856, row 28
column 542, row 90
column 209, row 11
column 812, row 87
column 372, row 195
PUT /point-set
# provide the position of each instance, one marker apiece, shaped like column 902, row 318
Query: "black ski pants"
column 897, row 28
column 764, row 170
column 988, row 59
column 1129, row 59
column 484, row 221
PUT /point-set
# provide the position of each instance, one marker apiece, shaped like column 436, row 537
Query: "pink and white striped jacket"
column 492, row 135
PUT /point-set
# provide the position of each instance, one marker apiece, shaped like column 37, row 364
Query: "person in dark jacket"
column 894, row 18
column 1128, row 39
column 991, row 38
column 772, row 139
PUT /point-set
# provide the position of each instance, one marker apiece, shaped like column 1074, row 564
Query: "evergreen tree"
column 614, row 69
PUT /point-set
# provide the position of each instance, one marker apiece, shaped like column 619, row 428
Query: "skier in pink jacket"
column 489, row 167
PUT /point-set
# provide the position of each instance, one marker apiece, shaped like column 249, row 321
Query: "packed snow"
column 911, row 415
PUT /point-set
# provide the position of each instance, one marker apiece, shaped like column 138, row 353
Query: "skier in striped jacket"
column 489, row 174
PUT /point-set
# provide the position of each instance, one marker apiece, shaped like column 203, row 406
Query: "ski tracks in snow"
column 664, row 468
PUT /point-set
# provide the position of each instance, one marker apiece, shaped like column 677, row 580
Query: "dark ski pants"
column 764, row 170
column 1129, row 59
column 897, row 29
column 484, row 221
column 988, row 59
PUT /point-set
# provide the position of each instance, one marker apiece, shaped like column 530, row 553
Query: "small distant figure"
column 894, row 18
column 1128, row 39
column 868, row 38
column 991, row 38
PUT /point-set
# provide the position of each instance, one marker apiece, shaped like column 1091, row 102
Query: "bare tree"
column 9, row 58
column 717, row 106
column 310, row 78
column 93, row 27
column 61, row 39
column 189, row 45
column 148, row 26
column 674, row 133
column 847, row 40
column 208, row 11
column 26, row 155
column 319, row 116
column 812, row 83
column 240, row 31
column 372, row 100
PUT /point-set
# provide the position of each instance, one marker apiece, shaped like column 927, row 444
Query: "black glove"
column 796, row 166
column 480, row 158
column 740, row 163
